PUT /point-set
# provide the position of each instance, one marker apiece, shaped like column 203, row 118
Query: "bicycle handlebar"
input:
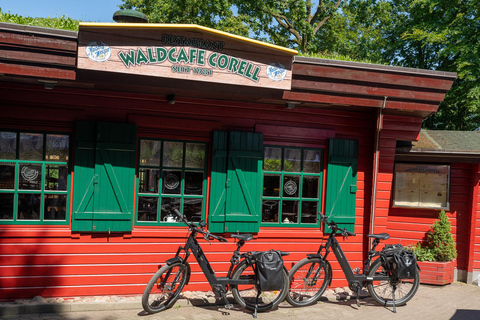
column 332, row 225
column 206, row 235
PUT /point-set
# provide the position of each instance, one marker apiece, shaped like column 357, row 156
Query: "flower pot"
column 439, row 273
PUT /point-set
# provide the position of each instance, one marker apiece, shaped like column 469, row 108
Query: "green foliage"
column 440, row 244
column 62, row 22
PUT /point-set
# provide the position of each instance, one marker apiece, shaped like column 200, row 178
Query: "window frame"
column 159, row 195
column 16, row 191
column 448, row 184
column 281, row 198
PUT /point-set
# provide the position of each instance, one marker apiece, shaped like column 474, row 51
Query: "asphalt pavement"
column 456, row 301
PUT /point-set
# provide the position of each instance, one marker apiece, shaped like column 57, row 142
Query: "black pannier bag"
column 402, row 262
column 269, row 268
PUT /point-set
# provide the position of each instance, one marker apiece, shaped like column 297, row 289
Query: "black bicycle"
column 165, row 286
column 310, row 277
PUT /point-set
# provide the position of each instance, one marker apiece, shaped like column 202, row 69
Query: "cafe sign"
column 203, row 55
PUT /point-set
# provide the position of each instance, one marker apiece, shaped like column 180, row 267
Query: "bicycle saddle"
column 383, row 236
column 243, row 236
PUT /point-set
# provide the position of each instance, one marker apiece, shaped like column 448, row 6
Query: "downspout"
column 376, row 165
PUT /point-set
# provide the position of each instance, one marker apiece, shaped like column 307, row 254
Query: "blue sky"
column 85, row 10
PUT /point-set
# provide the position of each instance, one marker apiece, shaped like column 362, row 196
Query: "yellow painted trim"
column 86, row 25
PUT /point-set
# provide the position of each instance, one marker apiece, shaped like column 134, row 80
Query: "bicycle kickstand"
column 393, row 299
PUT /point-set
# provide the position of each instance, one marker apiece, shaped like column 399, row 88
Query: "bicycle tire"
column 164, row 287
column 245, row 295
column 382, row 291
column 309, row 278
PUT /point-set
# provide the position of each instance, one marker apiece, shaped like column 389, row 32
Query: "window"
column 421, row 185
column 292, row 183
column 34, row 178
column 172, row 174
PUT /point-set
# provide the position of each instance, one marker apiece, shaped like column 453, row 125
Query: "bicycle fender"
column 314, row 255
column 174, row 260
column 178, row 259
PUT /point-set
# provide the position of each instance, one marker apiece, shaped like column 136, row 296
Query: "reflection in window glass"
column 147, row 209
column 293, row 158
column 168, row 204
column 150, row 152
column 309, row 212
column 31, row 146
column 310, row 187
column 272, row 159
column 30, row 176
column 195, row 155
column 28, row 206
column 6, row 206
column 7, row 175
column 172, row 154
column 192, row 209
column 193, row 182
column 55, row 207
column 56, row 177
column 148, row 180
column 270, row 210
column 311, row 161
column 271, row 185
column 172, row 182
column 57, row 147
column 8, row 145
column 290, row 212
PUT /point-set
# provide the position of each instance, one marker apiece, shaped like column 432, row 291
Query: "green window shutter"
column 236, row 182
column 104, row 177
column 341, row 186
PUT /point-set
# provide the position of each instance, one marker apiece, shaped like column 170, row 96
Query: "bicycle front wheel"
column 309, row 279
column 164, row 287
column 382, row 291
column 246, row 295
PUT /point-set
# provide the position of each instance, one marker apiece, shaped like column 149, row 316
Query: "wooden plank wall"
column 49, row 261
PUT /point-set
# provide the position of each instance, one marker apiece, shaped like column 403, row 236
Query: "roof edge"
column 38, row 30
column 186, row 26
column 376, row 67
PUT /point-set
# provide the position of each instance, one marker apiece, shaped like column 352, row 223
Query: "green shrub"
column 440, row 245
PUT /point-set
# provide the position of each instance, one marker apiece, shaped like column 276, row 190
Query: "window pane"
column 311, row 161
column 148, row 180
column 273, row 159
column 30, row 176
column 192, row 209
column 7, row 175
column 290, row 212
column 292, row 160
column 28, row 207
column 150, row 152
column 195, row 157
column 56, row 177
column 57, row 147
column 168, row 204
column 271, row 185
column 55, row 207
column 172, row 154
column 8, row 145
column 309, row 212
column 147, row 209
column 310, row 187
column 290, row 186
column 171, row 182
column 6, row 206
column 193, row 183
column 270, row 210
column 31, row 146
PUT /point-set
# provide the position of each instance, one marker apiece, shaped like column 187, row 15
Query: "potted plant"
column 436, row 258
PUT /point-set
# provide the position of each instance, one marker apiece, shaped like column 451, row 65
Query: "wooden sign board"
column 188, row 52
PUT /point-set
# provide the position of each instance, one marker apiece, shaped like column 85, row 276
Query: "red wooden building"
column 104, row 130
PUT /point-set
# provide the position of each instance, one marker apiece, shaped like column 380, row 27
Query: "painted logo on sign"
column 276, row 71
column 290, row 187
column 98, row 51
column 171, row 181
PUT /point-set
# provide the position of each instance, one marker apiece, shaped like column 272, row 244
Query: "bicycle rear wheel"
column 309, row 279
column 246, row 295
column 164, row 287
column 382, row 291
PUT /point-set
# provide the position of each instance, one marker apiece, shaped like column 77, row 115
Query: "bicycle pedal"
column 229, row 306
